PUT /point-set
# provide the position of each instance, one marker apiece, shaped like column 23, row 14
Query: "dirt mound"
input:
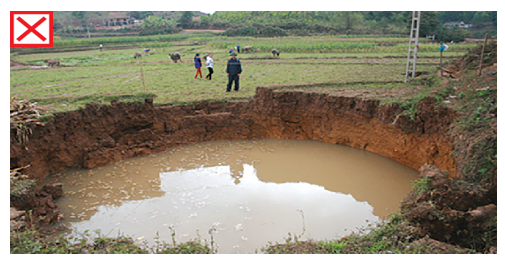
column 472, row 60
column 449, row 212
column 40, row 201
column 433, row 246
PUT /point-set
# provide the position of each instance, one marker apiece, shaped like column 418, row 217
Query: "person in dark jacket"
column 233, row 71
column 198, row 65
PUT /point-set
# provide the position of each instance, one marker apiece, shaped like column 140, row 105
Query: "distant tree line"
column 155, row 25
column 261, row 23
column 471, row 17
column 302, row 23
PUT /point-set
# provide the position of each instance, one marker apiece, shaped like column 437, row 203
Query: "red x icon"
column 31, row 29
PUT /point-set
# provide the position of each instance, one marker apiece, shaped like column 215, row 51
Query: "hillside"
column 96, row 18
column 281, row 23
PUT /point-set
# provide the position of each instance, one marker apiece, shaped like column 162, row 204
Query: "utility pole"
column 413, row 45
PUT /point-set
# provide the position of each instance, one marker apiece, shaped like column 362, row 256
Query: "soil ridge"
column 98, row 135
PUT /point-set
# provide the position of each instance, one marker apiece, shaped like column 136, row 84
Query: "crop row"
column 135, row 39
column 216, row 38
column 335, row 46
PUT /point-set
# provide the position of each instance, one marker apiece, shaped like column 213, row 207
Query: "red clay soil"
column 41, row 201
column 452, row 213
column 102, row 134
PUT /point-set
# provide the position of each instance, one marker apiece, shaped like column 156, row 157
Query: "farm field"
column 310, row 63
column 449, row 119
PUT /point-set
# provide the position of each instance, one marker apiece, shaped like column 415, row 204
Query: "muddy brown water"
column 247, row 193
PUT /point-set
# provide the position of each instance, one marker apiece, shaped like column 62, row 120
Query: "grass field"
column 322, row 64
column 367, row 67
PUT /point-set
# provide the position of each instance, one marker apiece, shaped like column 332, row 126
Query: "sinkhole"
column 245, row 193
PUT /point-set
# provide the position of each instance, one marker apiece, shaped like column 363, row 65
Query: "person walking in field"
column 210, row 65
column 198, row 65
column 233, row 71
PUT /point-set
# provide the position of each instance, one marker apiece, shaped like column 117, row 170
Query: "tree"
column 205, row 20
column 80, row 16
column 156, row 25
column 386, row 22
column 481, row 17
column 493, row 16
column 134, row 14
column 456, row 16
column 447, row 35
column 348, row 20
column 429, row 23
column 140, row 14
column 57, row 25
column 186, row 18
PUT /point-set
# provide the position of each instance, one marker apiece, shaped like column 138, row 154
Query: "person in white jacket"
column 210, row 65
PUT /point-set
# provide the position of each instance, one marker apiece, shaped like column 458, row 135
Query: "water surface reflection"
column 250, row 192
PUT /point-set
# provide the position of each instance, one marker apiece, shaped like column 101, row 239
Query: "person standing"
column 233, row 71
column 101, row 46
column 198, row 65
column 238, row 48
column 210, row 64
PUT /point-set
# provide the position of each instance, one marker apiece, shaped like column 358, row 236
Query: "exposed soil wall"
column 102, row 134
column 360, row 124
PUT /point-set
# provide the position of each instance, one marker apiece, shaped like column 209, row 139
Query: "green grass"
column 32, row 242
column 422, row 185
column 94, row 76
column 337, row 44
column 392, row 236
